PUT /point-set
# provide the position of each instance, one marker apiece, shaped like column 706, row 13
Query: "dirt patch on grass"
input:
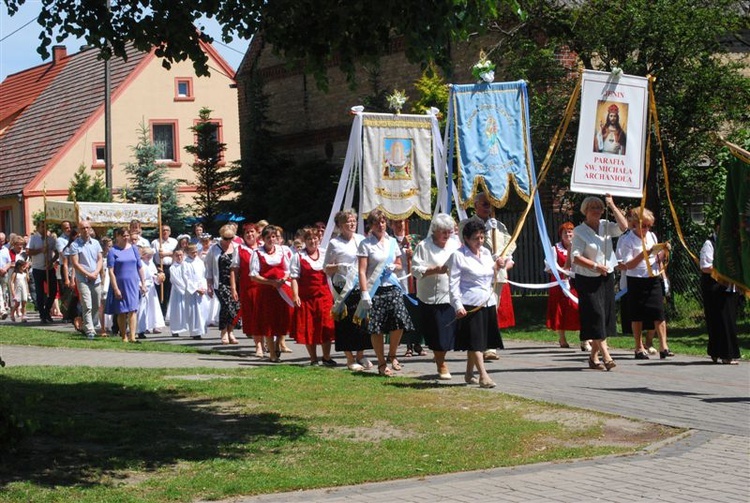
column 378, row 431
column 589, row 428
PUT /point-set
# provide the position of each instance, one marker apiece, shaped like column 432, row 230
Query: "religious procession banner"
column 396, row 164
column 102, row 214
column 732, row 255
column 611, row 142
column 493, row 147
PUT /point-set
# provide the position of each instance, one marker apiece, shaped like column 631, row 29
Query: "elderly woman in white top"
column 472, row 272
column 429, row 267
column 594, row 262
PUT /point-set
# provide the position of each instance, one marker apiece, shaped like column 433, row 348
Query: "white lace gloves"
column 365, row 300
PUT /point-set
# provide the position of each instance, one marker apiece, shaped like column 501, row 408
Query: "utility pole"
column 107, row 123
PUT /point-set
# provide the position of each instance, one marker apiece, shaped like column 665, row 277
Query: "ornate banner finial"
column 484, row 69
column 396, row 100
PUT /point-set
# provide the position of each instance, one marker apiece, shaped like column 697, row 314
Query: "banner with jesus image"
column 612, row 135
column 396, row 164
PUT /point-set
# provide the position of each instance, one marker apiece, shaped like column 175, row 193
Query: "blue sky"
column 18, row 50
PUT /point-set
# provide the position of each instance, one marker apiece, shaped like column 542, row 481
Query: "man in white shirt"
column 164, row 248
column 42, row 249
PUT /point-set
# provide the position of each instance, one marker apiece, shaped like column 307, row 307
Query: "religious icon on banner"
column 610, row 136
column 611, row 143
column 397, row 158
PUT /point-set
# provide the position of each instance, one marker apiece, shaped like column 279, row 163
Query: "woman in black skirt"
column 472, row 273
column 341, row 266
column 382, row 295
column 641, row 262
column 429, row 267
column 720, row 305
column 594, row 262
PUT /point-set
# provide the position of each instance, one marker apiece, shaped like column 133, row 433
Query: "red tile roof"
column 56, row 115
column 19, row 90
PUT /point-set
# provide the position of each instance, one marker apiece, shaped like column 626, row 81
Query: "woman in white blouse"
column 640, row 261
column 341, row 266
column 594, row 262
column 429, row 267
column 382, row 294
column 472, row 272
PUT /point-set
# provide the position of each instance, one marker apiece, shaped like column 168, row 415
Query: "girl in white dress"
column 176, row 309
column 150, row 316
column 194, row 273
column 20, row 283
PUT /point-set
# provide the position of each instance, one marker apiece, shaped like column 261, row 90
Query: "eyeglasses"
column 225, row 238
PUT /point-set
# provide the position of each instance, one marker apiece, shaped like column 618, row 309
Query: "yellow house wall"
column 150, row 96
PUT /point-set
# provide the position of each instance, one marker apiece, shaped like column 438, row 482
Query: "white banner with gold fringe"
column 396, row 164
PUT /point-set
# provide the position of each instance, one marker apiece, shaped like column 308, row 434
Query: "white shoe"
column 586, row 347
column 652, row 351
column 365, row 363
column 491, row 354
column 355, row 367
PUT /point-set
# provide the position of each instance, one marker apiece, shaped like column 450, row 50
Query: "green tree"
column 313, row 33
column 698, row 90
column 147, row 180
column 261, row 160
column 214, row 182
column 83, row 188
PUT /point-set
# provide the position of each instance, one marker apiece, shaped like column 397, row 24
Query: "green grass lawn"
column 135, row 435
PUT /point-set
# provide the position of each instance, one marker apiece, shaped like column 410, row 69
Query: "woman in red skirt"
column 269, row 267
column 562, row 312
column 242, row 287
column 312, row 322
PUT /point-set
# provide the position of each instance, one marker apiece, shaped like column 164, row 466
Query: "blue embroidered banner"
column 492, row 140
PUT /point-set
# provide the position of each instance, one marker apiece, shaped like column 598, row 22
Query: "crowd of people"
column 447, row 291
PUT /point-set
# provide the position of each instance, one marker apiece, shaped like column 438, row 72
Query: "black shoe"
column 665, row 353
column 329, row 363
column 641, row 355
column 141, row 335
column 175, row 335
column 197, row 337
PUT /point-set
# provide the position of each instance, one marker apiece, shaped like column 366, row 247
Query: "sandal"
column 595, row 365
column 395, row 364
column 470, row 379
column 729, row 362
column 384, row 371
column 409, row 353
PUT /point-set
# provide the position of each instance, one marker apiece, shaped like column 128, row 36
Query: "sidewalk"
column 710, row 463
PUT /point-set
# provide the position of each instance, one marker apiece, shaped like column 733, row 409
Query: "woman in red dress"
column 312, row 323
column 243, row 288
column 269, row 267
column 562, row 312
